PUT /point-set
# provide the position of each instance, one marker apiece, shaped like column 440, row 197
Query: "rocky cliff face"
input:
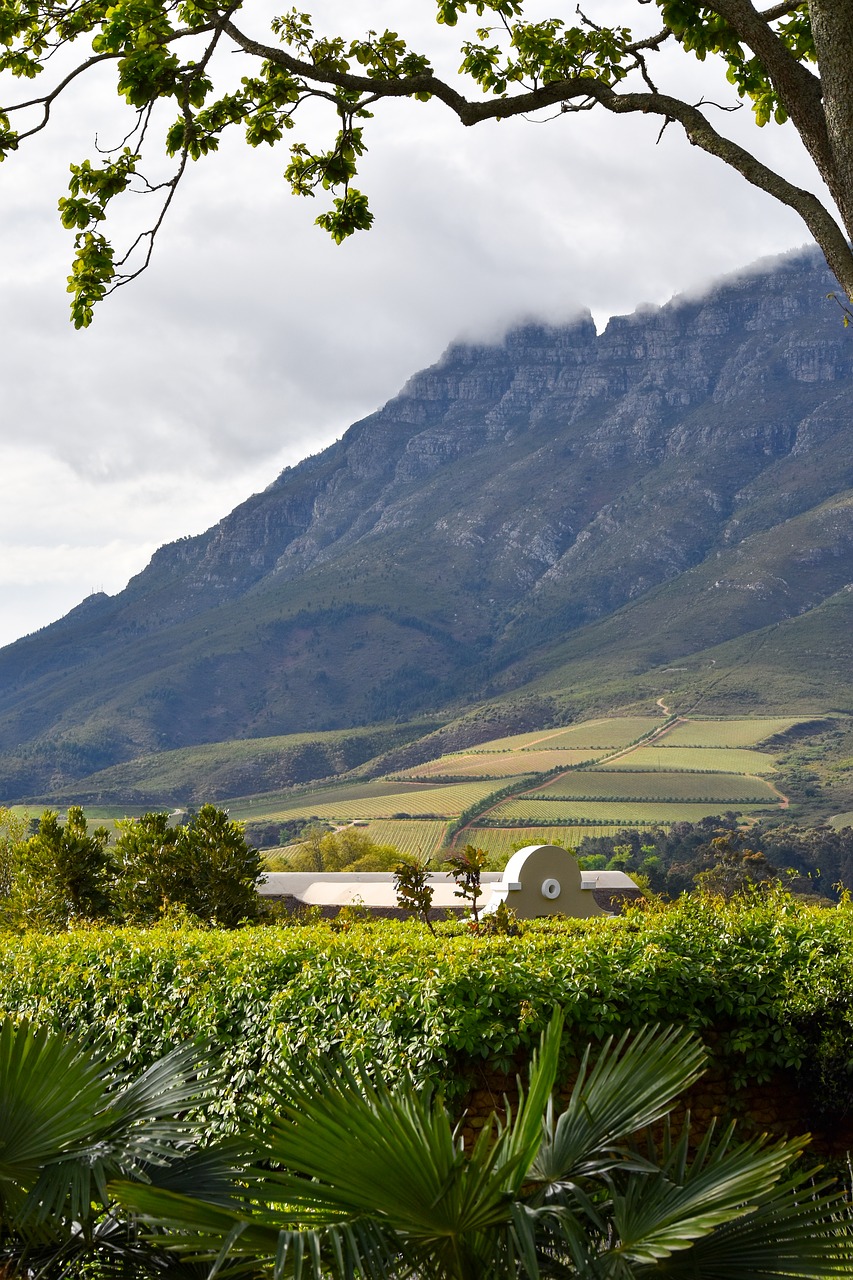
column 510, row 495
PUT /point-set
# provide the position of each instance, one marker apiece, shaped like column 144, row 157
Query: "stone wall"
column 779, row 1107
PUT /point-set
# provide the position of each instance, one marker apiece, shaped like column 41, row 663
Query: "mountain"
column 590, row 519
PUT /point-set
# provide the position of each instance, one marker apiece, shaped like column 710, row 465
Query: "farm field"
column 592, row 734
column 498, row 764
column 273, row 803
column 727, row 733
column 604, row 784
column 715, row 759
column 447, row 802
column 623, row 813
column 418, row 837
column 501, row 842
column 96, row 815
column 607, row 735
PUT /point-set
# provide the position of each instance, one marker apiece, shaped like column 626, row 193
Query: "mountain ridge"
column 515, row 502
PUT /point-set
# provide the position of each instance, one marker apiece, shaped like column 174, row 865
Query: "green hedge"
column 771, row 981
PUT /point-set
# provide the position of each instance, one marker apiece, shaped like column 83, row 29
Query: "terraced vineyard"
column 417, row 837
column 592, row 734
column 446, row 802
column 696, row 759
column 623, row 813
column 501, row 842
column 276, row 804
column 717, row 788
column 603, row 734
column 727, row 733
column 498, row 764
column 694, row 770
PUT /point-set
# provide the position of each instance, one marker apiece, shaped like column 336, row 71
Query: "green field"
column 275, row 803
column 501, row 842
column 727, row 733
column 606, row 734
column 96, row 815
column 497, row 764
column 624, row 813
column 447, row 802
column 418, row 837
column 241, row 766
column 601, row 784
column 715, row 759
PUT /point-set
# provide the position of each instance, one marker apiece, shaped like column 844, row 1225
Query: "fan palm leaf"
column 70, row 1121
column 359, row 1179
column 632, row 1084
column 796, row 1231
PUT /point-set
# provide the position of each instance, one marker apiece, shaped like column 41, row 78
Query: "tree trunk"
column 832, row 25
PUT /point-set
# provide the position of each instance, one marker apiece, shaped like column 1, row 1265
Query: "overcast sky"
column 253, row 340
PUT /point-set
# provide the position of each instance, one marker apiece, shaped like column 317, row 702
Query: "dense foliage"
column 769, row 978
column 350, row 849
column 816, row 861
column 366, row 1182
column 360, row 1181
column 64, row 874
column 70, row 1121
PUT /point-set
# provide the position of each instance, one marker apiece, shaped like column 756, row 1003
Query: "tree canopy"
column 792, row 61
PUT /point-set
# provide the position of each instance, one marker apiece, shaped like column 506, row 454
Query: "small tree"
column 466, row 868
column 223, row 868
column 150, row 871
column 349, row 849
column 735, row 870
column 205, row 866
column 310, row 856
column 63, row 873
column 414, row 891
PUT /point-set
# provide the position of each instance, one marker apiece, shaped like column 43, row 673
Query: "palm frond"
column 659, row 1214
column 131, row 1130
column 800, row 1230
column 258, row 1237
column 50, row 1092
column 633, row 1084
column 524, row 1130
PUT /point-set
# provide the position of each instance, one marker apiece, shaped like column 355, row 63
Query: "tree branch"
column 798, row 88
column 823, row 226
column 832, row 28
column 779, row 10
column 47, row 100
column 582, row 90
column 405, row 87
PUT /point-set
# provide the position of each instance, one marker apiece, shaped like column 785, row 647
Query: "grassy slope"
column 219, row 770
